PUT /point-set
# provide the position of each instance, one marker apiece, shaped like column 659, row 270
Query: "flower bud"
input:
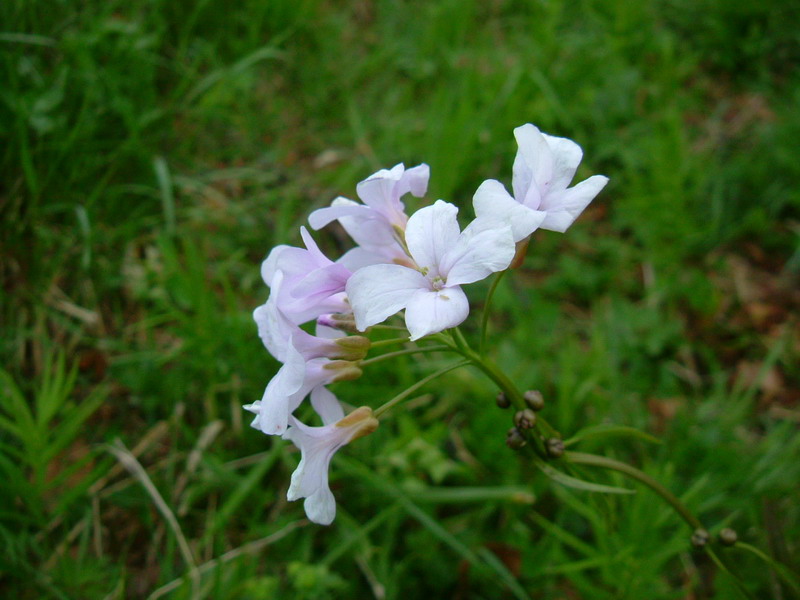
column 346, row 370
column 525, row 419
column 534, row 399
column 728, row 537
column 352, row 347
column 514, row 439
column 554, row 447
column 502, row 400
column 700, row 538
column 340, row 321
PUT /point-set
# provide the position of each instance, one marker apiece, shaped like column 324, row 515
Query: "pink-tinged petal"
column 358, row 258
column 430, row 233
column 379, row 291
column 567, row 156
column 562, row 209
column 379, row 192
column 434, row 311
column 324, row 281
column 414, row 180
column 533, row 165
column 326, row 405
column 321, row 507
column 482, row 249
column 493, row 203
column 316, row 254
column 340, row 208
column 274, row 408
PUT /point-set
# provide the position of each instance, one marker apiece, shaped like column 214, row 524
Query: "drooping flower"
column 293, row 382
column 377, row 224
column 275, row 328
column 312, row 284
column 317, row 446
column 445, row 258
column 543, row 169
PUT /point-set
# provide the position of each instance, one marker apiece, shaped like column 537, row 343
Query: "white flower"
column 317, row 447
column 543, row 168
column 446, row 259
column 377, row 224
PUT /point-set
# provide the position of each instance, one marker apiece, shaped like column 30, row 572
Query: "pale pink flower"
column 445, row 258
column 317, row 446
column 312, row 284
column 377, row 224
column 543, row 169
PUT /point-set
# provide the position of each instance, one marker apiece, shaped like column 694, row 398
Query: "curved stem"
column 581, row 458
column 594, row 460
column 410, row 390
column 486, row 306
column 389, row 355
column 782, row 570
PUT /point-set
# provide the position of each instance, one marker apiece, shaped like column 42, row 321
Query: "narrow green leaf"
column 603, row 430
column 569, row 481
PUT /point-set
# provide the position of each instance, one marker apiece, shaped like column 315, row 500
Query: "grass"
column 154, row 152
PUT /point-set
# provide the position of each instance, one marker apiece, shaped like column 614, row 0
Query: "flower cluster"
column 416, row 264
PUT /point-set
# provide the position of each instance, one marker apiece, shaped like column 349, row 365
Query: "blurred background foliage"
column 154, row 151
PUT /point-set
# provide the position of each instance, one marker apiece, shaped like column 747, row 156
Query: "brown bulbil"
column 514, row 439
column 728, row 537
column 525, row 419
column 700, row 538
column 534, row 399
column 502, row 400
column 554, row 448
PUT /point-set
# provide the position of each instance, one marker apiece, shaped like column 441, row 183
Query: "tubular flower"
column 543, row 168
column 317, row 446
column 445, row 258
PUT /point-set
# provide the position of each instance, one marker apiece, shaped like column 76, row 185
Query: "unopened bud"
column 352, row 347
column 340, row 321
column 514, row 439
column 534, row 399
column 502, row 400
column 700, row 538
column 728, row 537
column 525, row 419
column 346, row 370
column 554, row 447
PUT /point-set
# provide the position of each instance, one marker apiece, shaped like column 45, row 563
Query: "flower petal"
column 562, row 209
column 434, row 311
column 431, row 232
column 379, row 291
column 482, row 249
column 533, row 165
column 321, row 507
column 339, row 208
column 567, row 156
column 492, row 202
column 326, row 405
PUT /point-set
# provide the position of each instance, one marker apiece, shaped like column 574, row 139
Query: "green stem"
column 782, row 570
column 381, row 343
column 593, row 460
column 486, row 305
column 581, row 458
column 389, row 355
column 410, row 390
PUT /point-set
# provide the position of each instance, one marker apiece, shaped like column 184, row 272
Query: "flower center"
column 437, row 283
